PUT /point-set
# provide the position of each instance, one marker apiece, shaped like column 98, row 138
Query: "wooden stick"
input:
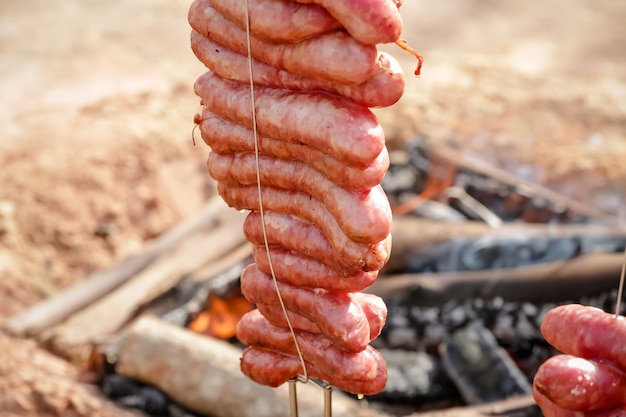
column 416, row 236
column 105, row 317
column 558, row 281
column 53, row 310
column 202, row 374
column 522, row 406
column 464, row 161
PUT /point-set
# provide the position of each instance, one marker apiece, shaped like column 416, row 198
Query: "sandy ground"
column 96, row 154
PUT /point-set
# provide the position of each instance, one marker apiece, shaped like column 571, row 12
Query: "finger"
column 580, row 384
column 586, row 332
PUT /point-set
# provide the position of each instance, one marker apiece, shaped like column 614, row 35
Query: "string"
column 261, row 211
column 620, row 291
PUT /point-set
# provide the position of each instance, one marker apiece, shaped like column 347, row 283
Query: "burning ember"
column 221, row 314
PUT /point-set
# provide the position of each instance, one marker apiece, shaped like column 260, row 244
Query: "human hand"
column 589, row 378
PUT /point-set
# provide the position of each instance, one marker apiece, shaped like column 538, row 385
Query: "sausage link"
column 255, row 330
column 383, row 88
column 578, row 384
column 373, row 308
column 334, row 56
column 301, row 271
column 364, row 216
column 275, row 315
column 337, row 315
column 331, row 124
column 300, row 205
column 272, row 368
column 224, row 136
column 278, row 20
column 369, row 21
column 587, row 332
column 292, row 233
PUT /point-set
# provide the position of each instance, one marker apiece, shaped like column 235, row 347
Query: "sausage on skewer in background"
column 326, row 222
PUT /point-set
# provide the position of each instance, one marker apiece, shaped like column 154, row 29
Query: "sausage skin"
column 374, row 308
column 338, row 56
column 331, row 124
column 272, row 368
column 364, row 216
column 369, row 21
column 301, row 271
column 255, row 330
column 579, row 384
column 383, row 88
column 224, row 136
column 307, row 239
column 300, row 205
column 278, row 20
column 337, row 315
column 590, row 374
column 586, row 332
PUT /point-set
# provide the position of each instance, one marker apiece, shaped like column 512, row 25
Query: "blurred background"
column 96, row 150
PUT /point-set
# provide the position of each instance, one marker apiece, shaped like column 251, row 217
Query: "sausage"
column 549, row 409
column 275, row 315
column 338, row 56
column 301, row 271
column 592, row 343
column 587, row 332
column 225, row 137
column 364, row 216
column 333, row 125
column 300, row 205
column 272, row 368
column 369, row 21
column 294, row 234
column 278, row 20
column 337, row 315
column 254, row 330
column 579, row 384
column 382, row 88
column 320, row 156
column 373, row 307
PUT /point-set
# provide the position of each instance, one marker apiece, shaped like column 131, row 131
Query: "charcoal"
column 433, row 335
column 530, row 310
column 175, row 410
column 398, row 179
column 415, row 377
column 148, row 399
column 510, row 251
column 505, row 198
column 457, row 316
column 524, row 328
column 504, row 327
column 402, row 337
column 129, row 393
column 116, row 386
column 481, row 370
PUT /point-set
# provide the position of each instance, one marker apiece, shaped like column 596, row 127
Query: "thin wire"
column 620, row 291
column 261, row 211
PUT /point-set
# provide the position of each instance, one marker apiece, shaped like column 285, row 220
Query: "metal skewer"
column 293, row 397
column 328, row 400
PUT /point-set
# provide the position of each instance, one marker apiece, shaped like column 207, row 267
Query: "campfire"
column 465, row 300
